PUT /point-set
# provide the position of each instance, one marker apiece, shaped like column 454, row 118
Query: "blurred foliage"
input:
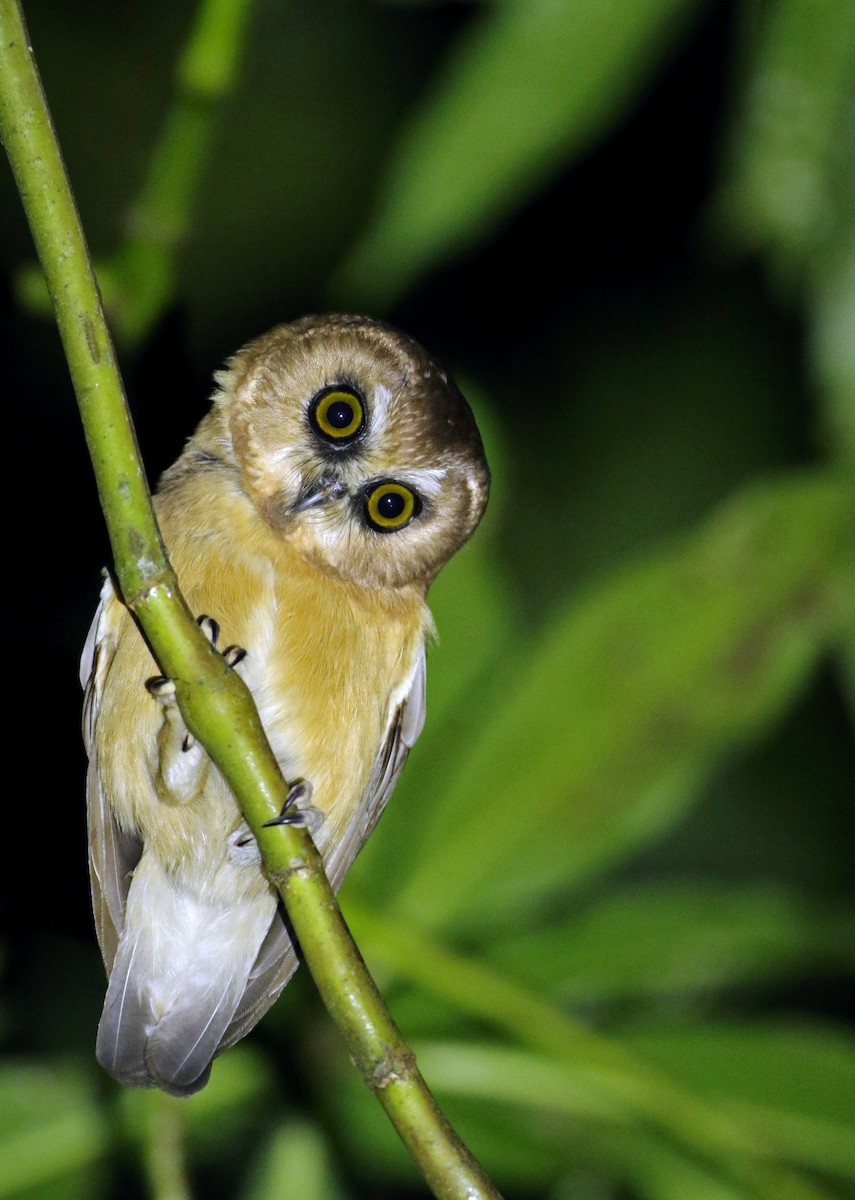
column 612, row 900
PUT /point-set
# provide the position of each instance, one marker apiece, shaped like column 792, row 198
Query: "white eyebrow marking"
column 427, row 480
column 381, row 398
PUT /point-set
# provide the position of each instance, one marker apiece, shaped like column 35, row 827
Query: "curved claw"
column 298, row 808
column 210, row 628
column 162, row 688
column 234, row 655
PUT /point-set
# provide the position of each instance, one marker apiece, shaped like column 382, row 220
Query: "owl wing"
column 407, row 722
column 113, row 854
column 276, row 961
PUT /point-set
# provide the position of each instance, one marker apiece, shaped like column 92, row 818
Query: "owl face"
column 354, row 446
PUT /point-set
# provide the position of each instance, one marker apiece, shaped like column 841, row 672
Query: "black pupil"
column 340, row 414
column 390, row 505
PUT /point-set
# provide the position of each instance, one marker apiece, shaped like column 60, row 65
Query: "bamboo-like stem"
column 140, row 276
column 164, row 1156
column 215, row 703
column 138, row 280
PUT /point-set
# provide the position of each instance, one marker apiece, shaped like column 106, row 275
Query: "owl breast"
column 327, row 660
column 332, row 664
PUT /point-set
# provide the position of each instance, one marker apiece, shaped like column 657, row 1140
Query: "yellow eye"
column 390, row 506
column 337, row 413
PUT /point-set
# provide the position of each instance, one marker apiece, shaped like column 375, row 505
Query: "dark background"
column 639, row 356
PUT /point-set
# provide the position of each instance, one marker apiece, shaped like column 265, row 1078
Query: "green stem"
column 163, row 1140
column 138, row 281
column 140, row 276
column 215, row 703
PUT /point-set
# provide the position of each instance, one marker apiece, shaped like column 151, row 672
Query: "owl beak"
column 319, row 491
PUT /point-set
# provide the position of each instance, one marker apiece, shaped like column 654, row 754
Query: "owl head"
column 352, row 444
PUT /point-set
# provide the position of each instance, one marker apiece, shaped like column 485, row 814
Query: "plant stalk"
column 215, row 703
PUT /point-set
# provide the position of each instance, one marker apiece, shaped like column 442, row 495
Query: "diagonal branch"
column 215, row 703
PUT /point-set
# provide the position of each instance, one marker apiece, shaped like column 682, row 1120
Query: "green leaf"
column 596, row 737
column 617, row 1083
column 296, row 1162
column 528, row 88
column 516, row 1150
column 794, row 123
column 51, row 1131
column 498, row 1074
column 660, row 938
column 793, row 1084
column 575, row 1084
column 664, row 1176
column 832, row 313
column 238, row 1082
column 138, row 281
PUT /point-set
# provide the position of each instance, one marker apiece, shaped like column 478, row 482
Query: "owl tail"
column 180, row 972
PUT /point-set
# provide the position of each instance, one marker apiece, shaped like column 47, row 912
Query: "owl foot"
column 182, row 764
column 162, row 688
column 298, row 809
column 243, row 848
column 211, row 629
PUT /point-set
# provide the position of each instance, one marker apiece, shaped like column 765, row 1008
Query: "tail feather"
column 125, row 1022
column 180, row 971
column 181, row 1047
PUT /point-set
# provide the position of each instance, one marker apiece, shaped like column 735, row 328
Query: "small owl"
column 337, row 471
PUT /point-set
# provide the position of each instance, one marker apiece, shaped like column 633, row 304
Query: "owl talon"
column 298, row 809
column 210, row 628
column 300, row 792
column 234, row 655
column 162, row 688
column 188, row 743
column 310, row 818
column 243, row 848
column 303, row 818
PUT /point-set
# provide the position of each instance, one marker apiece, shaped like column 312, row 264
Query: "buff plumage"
column 338, row 470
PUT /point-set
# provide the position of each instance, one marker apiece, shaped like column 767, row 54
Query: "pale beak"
column 319, row 491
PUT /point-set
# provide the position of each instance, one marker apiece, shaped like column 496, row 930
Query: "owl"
column 338, row 469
